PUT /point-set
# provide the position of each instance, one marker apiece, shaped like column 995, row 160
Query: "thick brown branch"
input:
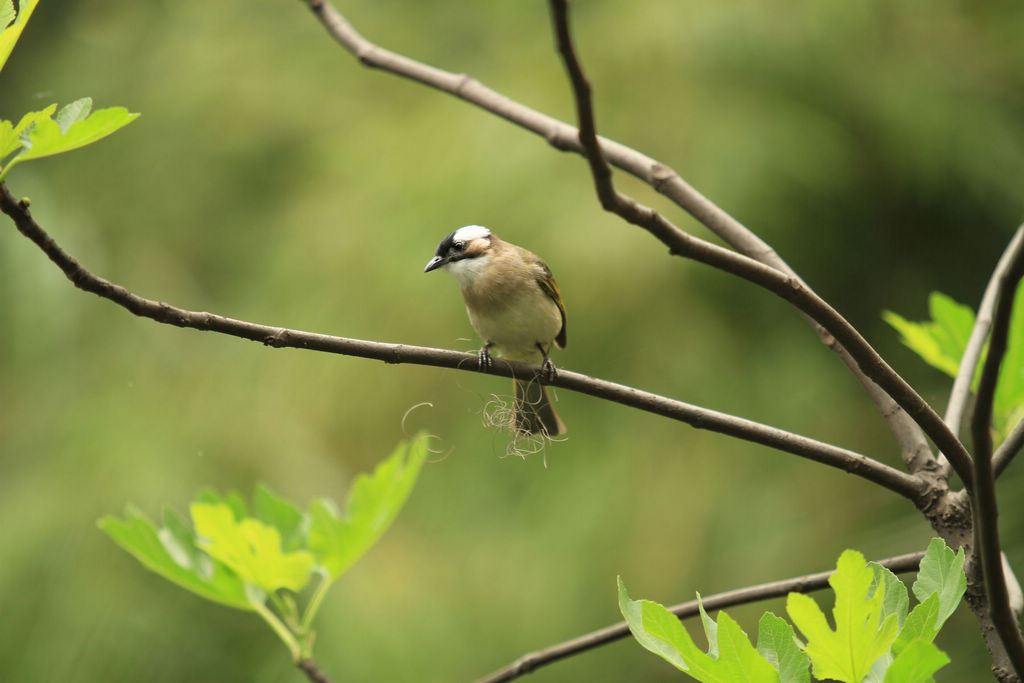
column 702, row 418
column 800, row 584
column 986, row 522
column 913, row 446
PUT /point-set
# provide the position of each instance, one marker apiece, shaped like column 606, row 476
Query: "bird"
column 515, row 307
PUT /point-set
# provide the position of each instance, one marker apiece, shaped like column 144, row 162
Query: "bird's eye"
column 459, row 246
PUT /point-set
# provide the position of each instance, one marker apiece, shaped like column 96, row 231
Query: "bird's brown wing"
column 546, row 281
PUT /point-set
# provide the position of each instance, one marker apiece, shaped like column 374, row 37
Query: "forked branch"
column 786, row 286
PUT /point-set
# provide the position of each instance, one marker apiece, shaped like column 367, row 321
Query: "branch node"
column 463, row 82
column 661, row 175
column 278, row 339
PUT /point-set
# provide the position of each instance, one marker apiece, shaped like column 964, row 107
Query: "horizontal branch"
column 800, row 584
column 702, row 418
column 662, row 178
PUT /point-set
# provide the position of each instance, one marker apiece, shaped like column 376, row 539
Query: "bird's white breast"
column 507, row 307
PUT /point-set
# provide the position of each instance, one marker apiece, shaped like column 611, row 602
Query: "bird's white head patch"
column 470, row 233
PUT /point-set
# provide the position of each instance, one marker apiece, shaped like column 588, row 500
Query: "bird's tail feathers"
column 533, row 412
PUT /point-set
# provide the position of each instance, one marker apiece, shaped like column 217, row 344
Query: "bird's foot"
column 547, row 368
column 484, row 361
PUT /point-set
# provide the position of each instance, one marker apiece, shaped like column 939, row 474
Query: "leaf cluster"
column 258, row 558
column 875, row 637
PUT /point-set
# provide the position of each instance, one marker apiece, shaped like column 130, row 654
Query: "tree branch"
column 785, row 286
column 961, row 391
column 800, row 584
column 906, row 485
column 1007, row 450
column 663, row 179
column 986, row 522
column 312, row 671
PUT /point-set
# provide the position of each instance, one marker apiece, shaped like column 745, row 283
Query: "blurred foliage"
column 878, row 146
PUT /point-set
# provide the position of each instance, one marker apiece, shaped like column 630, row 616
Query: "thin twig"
column 1008, row 449
column 312, row 671
column 986, row 519
column 800, row 584
column 961, row 391
column 702, row 418
column 788, row 287
column 913, row 446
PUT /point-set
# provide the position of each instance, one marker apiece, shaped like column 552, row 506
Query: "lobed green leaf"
column 861, row 635
column 173, row 555
column 250, row 548
column 373, row 503
column 289, row 521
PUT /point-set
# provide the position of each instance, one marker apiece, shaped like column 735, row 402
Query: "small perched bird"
column 515, row 307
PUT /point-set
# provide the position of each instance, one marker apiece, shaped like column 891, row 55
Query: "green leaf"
column 710, row 629
column 233, row 499
column 7, row 13
column 172, row 556
column 9, row 35
column 660, row 631
column 777, row 643
column 633, row 613
column 10, row 134
column 47, row 137
column 73, row 113
column 738, row 659
column 861, row 635
column 922, row 624
column 895, row 600
column 373, row 503
column 917, row 663
column 952, row 324
column 1008, row 407
column 942, row 572
column 280, row 514
column 927, row 341
column 251, row 548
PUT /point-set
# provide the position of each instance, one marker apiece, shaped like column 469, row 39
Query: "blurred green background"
column 878, row 145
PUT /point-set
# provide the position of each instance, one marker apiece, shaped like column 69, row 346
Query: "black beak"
column 435, row 263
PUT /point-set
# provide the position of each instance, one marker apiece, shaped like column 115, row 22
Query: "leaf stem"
column 314, row 603
column 280, row 629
